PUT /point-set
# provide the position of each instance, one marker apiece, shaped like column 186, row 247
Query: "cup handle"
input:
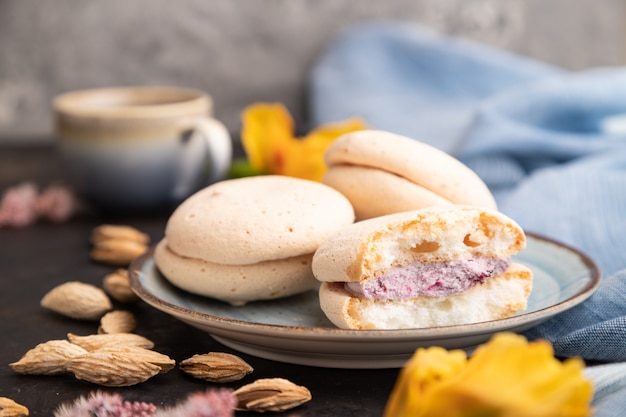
column 205, row 156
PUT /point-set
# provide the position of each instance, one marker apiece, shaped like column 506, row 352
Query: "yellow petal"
column 510, row 377
column 425, row 370
column 267, row 131
column 303, row 161
column 268, row 140
column 305, row 156
column 328, row 132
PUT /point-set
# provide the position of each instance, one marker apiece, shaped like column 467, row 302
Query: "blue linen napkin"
column 609, row 389
column 533, row 132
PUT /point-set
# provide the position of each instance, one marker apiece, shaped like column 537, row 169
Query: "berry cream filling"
column 434, row 279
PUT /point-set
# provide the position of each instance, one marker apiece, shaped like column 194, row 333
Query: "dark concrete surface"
column 35, row 259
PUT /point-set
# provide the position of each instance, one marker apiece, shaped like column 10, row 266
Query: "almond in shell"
column 9, row 408
column 117, row 285
column 112, row 368
column 98, row 341
column 216, row 367
column 117, row 252
column 117, row 244
column 164, row 362
column 49, row 358
column 77, row 300
column 271, row 394
column 117, row 232
column 117, row 321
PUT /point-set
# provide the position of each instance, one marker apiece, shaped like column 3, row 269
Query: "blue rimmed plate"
column 295, row 330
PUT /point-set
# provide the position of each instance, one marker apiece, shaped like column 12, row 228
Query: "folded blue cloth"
column 609, row 388
column 410, row 81
column 533, row 132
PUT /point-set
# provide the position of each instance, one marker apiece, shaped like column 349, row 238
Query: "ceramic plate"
column 295, row 330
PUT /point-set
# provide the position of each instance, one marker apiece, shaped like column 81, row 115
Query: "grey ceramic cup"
column 140, row 149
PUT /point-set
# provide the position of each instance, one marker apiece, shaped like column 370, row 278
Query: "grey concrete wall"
column 243, row 51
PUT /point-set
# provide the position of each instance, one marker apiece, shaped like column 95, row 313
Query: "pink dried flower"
column 212, row 403
column 102, row 404
column 17, row 208
column 56, row 204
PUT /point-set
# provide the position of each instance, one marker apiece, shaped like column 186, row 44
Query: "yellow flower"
column 426, row 369
column 506, row 377
column 268, row 138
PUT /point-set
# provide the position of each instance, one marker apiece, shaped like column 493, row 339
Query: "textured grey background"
column 243, row 51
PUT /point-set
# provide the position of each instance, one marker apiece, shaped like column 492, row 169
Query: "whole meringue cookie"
column 383, row 173
column 250, row 238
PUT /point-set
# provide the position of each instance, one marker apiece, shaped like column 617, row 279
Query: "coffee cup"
column 140, row 149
